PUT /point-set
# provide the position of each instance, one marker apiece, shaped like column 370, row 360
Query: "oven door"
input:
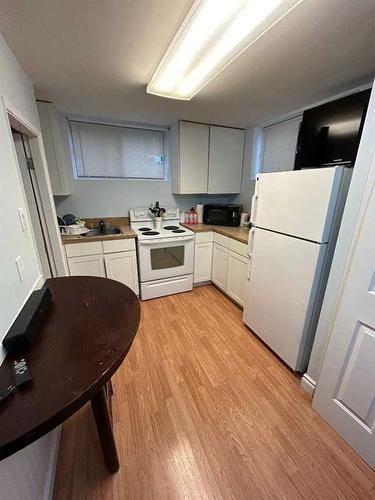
column 166, row 257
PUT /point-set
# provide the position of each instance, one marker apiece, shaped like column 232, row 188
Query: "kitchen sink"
column 107, row 231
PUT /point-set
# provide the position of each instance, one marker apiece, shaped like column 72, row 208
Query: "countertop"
column 120, row 222
column 237, row 233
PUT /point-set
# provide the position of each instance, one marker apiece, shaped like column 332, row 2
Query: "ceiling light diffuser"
column 212, row 35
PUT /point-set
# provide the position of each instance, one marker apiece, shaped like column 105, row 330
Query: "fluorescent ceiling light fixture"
column 212, row 35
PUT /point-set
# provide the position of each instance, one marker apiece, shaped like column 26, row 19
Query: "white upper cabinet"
column 56, row 150
column 206, row 159
column 225, row 160
column 189, row 156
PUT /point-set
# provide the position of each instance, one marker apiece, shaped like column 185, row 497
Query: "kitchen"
column 233, row 225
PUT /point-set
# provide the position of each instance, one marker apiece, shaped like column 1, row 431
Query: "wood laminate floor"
column 203, row 410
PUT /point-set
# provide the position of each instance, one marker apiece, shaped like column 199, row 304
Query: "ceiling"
column 95, row 58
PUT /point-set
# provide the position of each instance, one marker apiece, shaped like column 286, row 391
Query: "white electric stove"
column 165, row 256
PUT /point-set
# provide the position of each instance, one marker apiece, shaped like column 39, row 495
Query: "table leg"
column 104, row 427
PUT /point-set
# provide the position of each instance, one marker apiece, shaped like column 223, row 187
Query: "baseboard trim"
column 308, row 384
column 52, row 465
column 202, row 283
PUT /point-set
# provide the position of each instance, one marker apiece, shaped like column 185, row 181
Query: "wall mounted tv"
column 330, row 134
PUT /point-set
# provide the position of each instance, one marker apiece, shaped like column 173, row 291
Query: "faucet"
column 101, row 226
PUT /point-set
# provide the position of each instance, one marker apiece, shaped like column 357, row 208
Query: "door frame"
column 33, row 202
column 18, row 122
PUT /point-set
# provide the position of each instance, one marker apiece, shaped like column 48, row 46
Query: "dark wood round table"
column 88, row 330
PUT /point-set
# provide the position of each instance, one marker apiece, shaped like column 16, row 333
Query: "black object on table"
column 87, row 333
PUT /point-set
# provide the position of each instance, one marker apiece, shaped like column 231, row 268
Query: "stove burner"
column 150, row 233
column 144, row 229
column 178, row 231
column 170, row 228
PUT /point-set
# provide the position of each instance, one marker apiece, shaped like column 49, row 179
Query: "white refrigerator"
column 295, row 220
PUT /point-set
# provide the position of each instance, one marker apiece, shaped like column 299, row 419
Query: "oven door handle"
column 166, row 240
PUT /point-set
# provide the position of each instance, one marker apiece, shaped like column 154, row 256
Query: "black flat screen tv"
column 330, row 134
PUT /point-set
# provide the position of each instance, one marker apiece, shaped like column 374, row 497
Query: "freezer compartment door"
column 281, row 292
column 300, row 203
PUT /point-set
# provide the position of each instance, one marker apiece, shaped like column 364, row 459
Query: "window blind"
column 110, row 151
column 279, row 146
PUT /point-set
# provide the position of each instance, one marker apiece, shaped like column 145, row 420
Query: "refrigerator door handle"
column 250, row 251
column 250, row 244
column 254, row 202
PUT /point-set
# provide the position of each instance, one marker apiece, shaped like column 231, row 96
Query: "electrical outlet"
column 23, row 219
column 20, row 268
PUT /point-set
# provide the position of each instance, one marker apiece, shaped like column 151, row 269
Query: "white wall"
column 17, row 93
column 114, row 197
column 18, row 476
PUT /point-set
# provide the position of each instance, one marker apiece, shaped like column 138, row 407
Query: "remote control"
column 6, row 392
column 21, row 372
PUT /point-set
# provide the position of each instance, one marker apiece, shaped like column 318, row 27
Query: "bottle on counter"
column 195, row 217
column 187, row 217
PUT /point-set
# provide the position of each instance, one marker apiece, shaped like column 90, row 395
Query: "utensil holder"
column 158, row 223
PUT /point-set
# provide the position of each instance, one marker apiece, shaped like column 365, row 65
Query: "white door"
column 193, row 155
column 225, row 160
column 237, row 277
column 284, row 277
column 345, row 393
column 88, row 265
column 202, row 262
column 300, row 203
column 122, row 266
column 219, row 266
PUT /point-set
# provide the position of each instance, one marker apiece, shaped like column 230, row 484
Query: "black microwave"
column 222, row 215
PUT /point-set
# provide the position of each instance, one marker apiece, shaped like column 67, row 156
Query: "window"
column 112, row 151
column 279, row 145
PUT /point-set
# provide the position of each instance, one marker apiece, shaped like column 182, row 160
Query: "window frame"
column 119, row 124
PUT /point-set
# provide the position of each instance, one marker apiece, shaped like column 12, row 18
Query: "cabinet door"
column 122, row 266
column 225, row 160
column 202, row 262
column 237, row 277
column 193, row 158
column 55, row 148
column 219, row 266
column 88, row 265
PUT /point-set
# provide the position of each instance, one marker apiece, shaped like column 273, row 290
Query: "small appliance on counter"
column 222, row 214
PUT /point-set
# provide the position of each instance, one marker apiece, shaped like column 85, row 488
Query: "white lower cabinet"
column 236, row 277
column 202, row 262
column 122, row 266
column 108, row 261
column 87, row 265
column 224, row 261
column 203, row 257
column 219, row 266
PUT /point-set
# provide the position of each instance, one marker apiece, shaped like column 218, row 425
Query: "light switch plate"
column 23, row 219
column 20, row 268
